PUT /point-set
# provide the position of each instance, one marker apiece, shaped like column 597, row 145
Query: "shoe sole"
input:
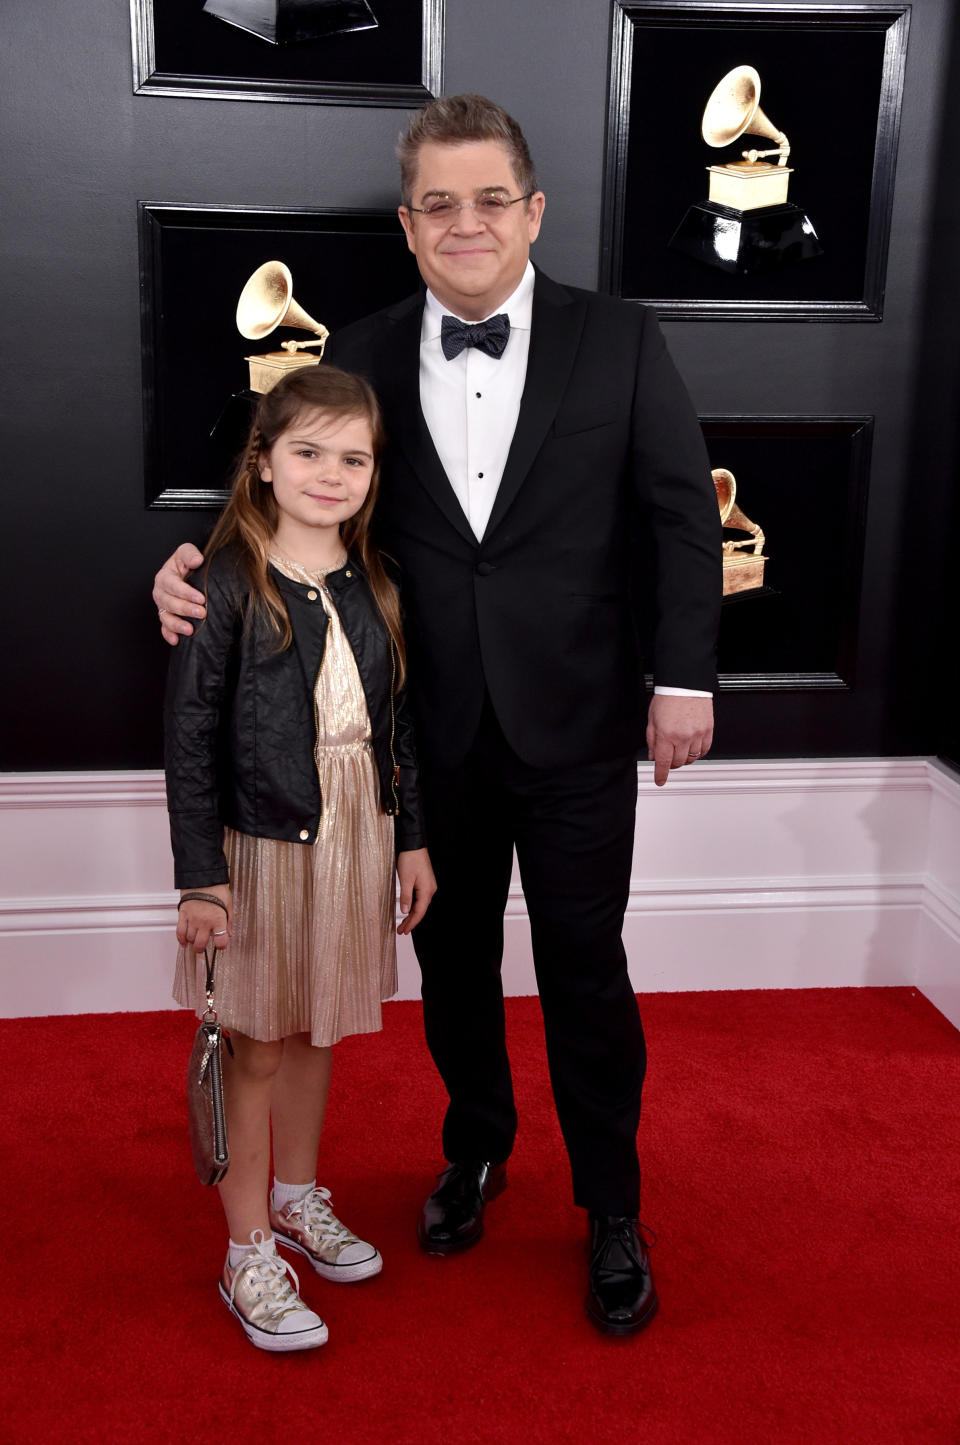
column 277, row 1344
column 611, row 1327
column 340, row 1273
column 457, row 1246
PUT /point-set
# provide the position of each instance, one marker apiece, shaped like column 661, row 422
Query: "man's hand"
column 176, row 601
column 197, row 921
column 679, row 730
column 417, row 886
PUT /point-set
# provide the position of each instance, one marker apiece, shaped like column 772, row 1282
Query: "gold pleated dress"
column 313, row 948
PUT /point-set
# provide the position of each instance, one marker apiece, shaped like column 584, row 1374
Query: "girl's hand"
column 417, row 886
column 197, row 922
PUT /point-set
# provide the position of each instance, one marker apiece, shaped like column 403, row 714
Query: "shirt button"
column 311, row 595
column 304, row 834
column 480, row 475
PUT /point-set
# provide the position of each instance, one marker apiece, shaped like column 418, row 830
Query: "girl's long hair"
column 250, row 517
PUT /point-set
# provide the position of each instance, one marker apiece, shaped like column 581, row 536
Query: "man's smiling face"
column 472, row 259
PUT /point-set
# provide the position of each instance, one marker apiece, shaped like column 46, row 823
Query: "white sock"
column 239, row 1252
column 284, row 1194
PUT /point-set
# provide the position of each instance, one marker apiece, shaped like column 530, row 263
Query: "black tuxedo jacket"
column 605, row 527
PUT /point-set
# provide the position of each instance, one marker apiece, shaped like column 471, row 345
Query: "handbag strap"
column 210, row 958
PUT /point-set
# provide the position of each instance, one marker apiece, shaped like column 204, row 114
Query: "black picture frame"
column 804, row 480
column 180, row 50
column 831, row 76
column 194, row 261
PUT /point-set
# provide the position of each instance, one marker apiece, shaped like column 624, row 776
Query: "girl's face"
column 320, row 469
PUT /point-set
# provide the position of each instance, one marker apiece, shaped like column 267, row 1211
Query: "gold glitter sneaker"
column 310, row 1226
column 270, row 1310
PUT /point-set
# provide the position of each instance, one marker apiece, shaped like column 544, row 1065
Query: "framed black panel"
column 194, row 261
column 179, row 48
column 832, row 78
column 803, row 480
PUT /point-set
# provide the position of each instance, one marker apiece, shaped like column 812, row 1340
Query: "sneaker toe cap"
column 358, row 1253
column 299, row 1322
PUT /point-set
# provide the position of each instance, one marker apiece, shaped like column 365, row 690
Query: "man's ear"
column 535, row 208
column 406, row 221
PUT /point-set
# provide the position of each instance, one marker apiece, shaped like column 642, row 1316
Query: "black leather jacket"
column 239, row 725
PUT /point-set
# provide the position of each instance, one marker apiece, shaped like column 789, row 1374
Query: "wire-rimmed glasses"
column 490, row 206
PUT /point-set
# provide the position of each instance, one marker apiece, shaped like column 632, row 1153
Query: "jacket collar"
column 554, row 338
column 399, row 385
column 336, row 580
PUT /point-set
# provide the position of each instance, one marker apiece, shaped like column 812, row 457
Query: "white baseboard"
column 800, row 873
column 938, row 948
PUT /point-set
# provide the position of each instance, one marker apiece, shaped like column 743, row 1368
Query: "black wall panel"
column 81, row 660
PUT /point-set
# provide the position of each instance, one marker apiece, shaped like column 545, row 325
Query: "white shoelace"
column 272, row 1273
column 318, row 1215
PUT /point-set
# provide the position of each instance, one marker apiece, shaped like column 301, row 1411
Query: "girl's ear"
column 263, row 467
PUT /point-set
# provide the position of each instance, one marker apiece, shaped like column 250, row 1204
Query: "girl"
column 291, row 778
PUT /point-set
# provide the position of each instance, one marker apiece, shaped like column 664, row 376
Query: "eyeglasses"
column 444, row 208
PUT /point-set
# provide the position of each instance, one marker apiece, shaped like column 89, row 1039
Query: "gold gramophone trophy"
column 747, row 225
column 267, row 302
column 743, row 561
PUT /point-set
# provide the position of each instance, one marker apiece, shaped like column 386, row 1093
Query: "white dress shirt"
column 471, row 405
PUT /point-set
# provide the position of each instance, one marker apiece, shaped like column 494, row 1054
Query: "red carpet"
column 802, row 1174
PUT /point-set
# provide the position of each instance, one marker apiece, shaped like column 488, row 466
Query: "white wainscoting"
column 785, row 874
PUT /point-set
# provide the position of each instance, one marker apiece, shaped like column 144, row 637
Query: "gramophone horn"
column 726, row 486
column 742, row 523
column 734, row 110
column 266, row 302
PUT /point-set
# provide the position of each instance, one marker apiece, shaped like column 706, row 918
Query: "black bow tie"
column 489, row 336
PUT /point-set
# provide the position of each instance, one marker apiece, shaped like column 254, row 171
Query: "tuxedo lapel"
column 554, row 337
column 398, row 385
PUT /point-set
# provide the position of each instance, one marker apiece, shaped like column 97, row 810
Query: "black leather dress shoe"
column 621, row 1297
column 452, row 1218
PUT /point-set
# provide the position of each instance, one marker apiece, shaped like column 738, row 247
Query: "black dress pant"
column 573, row 833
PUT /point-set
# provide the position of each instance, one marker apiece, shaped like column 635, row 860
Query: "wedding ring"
column 161, row 612
column 219, row 932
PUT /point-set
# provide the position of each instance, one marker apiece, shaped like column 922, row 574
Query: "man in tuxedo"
column 547, row 495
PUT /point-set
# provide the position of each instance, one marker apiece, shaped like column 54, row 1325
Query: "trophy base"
column 742, row 572
column 746, row 243
column 266, row 370
column 284, row 22
column 750, row 185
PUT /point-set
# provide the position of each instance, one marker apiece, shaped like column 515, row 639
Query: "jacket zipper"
column 393, row 757
column 316, row 729
column 316, row 760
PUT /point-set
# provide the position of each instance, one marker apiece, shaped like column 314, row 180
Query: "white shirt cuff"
column 682, row 692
